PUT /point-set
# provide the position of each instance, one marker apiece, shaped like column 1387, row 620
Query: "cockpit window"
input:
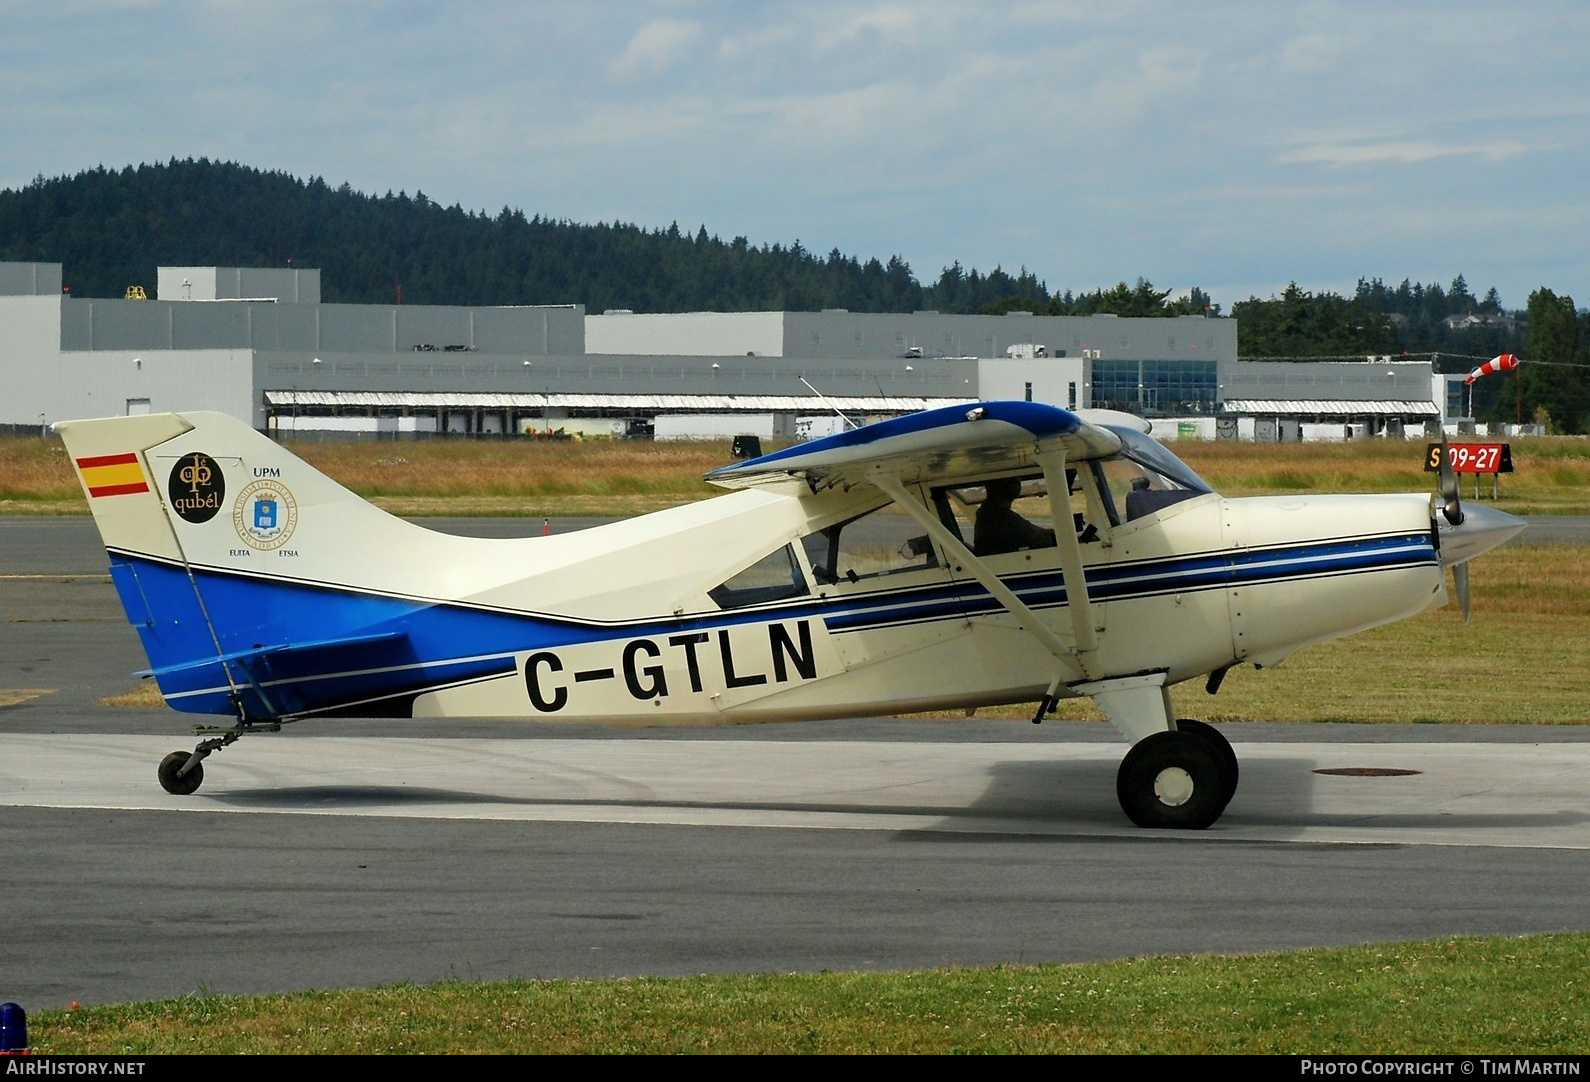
column 1155, row 458
column 1144, row 477
column 884, row 541
column 999, row 515
column 775, row 577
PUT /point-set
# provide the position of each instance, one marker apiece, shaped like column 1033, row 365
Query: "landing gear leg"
column 181, row 772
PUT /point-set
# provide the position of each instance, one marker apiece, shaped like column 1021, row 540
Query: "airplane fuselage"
column 966, row 556
column 496, row 630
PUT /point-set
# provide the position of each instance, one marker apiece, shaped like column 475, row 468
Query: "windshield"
column 1162, row 467
column 1143, row 478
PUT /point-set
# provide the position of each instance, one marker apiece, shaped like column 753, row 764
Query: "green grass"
column 1513, row 996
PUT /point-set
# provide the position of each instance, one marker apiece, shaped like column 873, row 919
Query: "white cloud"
column 655, row 49
column 1404, row 152
column 891, row 24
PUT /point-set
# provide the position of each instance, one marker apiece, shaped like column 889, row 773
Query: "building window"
column 1167, row 388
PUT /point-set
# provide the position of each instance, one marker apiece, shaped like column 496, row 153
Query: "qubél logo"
column 196, row 488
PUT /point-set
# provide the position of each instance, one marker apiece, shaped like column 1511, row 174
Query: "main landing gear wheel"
column 175, row 782
column 1172, row 780
column 1222, row 748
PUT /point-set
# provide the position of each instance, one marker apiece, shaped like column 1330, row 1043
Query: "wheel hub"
column 1173, row 786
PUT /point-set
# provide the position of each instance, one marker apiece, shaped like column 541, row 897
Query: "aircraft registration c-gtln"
column 965, row 556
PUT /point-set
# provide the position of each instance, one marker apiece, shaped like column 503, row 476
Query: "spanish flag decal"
column 112, row 475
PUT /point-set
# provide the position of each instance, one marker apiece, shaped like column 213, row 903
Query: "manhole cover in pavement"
column 1367, row 771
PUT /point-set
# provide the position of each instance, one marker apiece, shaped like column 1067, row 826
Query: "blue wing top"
column 929, row 445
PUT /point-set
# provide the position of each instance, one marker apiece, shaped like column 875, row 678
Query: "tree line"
column 111, row 228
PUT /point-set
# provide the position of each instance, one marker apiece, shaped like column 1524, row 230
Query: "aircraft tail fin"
column 259, row 586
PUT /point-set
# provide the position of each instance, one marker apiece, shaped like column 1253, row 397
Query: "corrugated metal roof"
column 690, row 403
column 1335, row 407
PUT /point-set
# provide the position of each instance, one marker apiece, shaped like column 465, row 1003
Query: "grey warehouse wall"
column 1354, row 381
column 285, row 284
column 609, row 374
column 119, row 325
column 855, row 334
column 30, row 279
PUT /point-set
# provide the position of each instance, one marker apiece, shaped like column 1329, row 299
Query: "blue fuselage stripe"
column 408, row 645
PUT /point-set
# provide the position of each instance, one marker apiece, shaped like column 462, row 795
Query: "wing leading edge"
column 933, row 444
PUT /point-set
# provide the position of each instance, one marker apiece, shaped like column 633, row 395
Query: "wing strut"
column 1065, row 537
column 890, row 485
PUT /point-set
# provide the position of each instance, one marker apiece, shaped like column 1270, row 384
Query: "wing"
column 934, row 444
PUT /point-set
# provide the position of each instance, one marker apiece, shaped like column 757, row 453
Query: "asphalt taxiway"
column 346, row 853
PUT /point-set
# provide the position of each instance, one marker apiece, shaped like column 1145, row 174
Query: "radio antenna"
column 829, row 403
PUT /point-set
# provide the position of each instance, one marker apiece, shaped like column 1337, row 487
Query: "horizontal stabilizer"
column 290, row 678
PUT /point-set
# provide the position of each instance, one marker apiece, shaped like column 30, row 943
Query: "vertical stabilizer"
column 111, row 457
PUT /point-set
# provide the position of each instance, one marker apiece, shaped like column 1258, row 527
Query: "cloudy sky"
column 1235, row 146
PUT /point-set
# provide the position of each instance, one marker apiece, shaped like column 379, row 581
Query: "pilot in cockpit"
column 999, row 528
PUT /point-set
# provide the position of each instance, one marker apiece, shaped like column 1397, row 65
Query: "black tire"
column 1171, row 780
column 187, row 783
column 1223, row 751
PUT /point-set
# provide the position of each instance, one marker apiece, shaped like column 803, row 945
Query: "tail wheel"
column 1172, row 780
column 1222, row 749
column 176, row 783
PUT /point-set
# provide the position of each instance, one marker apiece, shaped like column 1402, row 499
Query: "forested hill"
column 112, row 228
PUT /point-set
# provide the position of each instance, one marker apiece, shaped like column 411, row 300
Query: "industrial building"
column 260, row 345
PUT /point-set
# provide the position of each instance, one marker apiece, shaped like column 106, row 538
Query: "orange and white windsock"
column 1505, row 363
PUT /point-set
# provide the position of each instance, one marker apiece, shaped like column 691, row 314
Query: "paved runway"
column 347, row 853
column 1491, row 794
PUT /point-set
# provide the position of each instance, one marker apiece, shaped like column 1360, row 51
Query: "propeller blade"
column 1451, row 506
column 1460, row 580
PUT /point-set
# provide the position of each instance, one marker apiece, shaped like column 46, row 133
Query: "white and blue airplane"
column 890, row 568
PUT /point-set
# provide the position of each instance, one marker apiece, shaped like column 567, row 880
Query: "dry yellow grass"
column 145, row 696
column 17, row 696
column 36, row 473
column 523, row 477
column 1551, row 475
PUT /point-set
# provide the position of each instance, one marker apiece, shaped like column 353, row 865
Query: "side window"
column 1005, row 514
column 1010, row 514
column 886, row 541
column 775, row 577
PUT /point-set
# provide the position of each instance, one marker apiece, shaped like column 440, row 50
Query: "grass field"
column 1498, row 996
column 522, row 477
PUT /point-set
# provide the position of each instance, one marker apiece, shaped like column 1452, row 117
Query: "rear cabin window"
column 775, row 577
